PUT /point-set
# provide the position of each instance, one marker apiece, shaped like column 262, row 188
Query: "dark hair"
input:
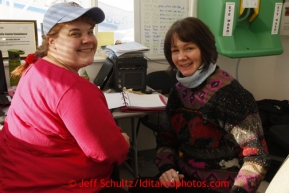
column 193, row 30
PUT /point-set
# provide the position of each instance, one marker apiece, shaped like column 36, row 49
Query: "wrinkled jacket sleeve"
column 241, row 119
column 167, row 145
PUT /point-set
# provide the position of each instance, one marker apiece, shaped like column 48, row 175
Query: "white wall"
column 265, row 77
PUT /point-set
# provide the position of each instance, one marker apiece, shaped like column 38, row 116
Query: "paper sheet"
column 104, row 39
column 120, row 49
column 114, row 100
column 144, row 101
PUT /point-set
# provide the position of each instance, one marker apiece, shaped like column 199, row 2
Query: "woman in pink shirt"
column 59, row 135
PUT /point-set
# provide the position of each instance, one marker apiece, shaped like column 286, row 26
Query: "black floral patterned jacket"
column 213, row 133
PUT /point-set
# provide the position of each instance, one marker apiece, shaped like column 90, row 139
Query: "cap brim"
column 97, row 14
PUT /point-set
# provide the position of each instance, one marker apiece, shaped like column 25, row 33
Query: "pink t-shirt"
column 58, row 131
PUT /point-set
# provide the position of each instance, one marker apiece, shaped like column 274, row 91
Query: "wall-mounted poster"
column 18, row 34
column 284, row 29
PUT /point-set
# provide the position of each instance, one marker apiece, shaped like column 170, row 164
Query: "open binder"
column 128, row 101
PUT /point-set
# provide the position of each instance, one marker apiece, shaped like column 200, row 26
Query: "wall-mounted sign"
column 18, row 34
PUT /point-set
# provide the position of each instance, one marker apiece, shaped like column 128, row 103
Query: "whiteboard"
column 153, row 18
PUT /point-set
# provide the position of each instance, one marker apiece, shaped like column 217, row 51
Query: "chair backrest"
column 161, row 81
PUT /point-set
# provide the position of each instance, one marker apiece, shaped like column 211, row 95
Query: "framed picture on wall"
column 18, row 34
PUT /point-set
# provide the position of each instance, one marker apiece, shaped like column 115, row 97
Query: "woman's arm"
column 239, row 116
column 167, row 146
column 87, row 117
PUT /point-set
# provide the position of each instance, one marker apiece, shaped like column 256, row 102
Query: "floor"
column 147, row 168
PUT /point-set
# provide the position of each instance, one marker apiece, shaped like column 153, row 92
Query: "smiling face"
column 193, row 44
column 186, row 56
column 74, row 47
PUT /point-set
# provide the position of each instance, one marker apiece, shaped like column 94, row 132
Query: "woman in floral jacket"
column 212, row 134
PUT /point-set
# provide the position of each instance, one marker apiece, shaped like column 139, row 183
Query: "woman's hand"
column 170, row 178
column 126, row 137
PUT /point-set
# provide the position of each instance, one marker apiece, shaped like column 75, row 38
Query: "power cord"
column 237, row 68
column 155, row 61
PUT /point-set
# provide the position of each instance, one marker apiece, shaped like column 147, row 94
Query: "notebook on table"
column 129, row 101
column 5, row 99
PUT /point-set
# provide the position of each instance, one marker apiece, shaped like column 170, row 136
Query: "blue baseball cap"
column 69, row 11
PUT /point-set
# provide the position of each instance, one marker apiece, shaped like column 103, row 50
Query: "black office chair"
column 278, row 146
column 280, row 134
column 274, row 115
column 162, row 82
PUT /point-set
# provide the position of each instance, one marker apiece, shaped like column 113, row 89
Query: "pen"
column 135, row 92
column 173, row 179
column 108, row 91
column 131, row 91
